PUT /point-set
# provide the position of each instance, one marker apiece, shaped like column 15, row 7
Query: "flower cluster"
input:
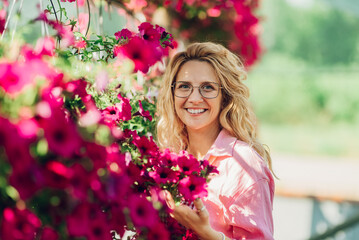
column 77, row 161
column 232, row 22
column 145, row 48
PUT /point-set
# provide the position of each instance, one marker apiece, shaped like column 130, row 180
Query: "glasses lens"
column 209, row 90
column 182, row 89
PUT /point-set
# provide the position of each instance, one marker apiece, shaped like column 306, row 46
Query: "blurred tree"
column 320, row 34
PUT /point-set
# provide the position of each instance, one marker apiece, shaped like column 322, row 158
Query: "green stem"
column 58, row 2
column 91, row 51
column 89, row 11
column 53, row 7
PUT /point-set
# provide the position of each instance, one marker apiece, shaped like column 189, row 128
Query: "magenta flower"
column 166, row 38
column 111, row 114
column 45, row 46
column 61, row 134
column 19, row 224
column 143, row 54
column 57, row 175
column 97, row 153
column 167, row 158
column 125, row 108
column 78, row 87
column 142, row 212
column 12, row 77
column 143, row 113
column 145, row 145
column 149, row 33
column 28, row 128
column 193, row 187
column 80, row 44
column 124, row 34
column 99, row 228
column 158, row 232
column 49, row 233
column 79, row 182
column 118, row 220
column 188, row 164
column 163, row 175
column 2, row 20
column 78, row 221
column 26, row 181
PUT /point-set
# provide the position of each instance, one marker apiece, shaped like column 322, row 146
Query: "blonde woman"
column 204, row 109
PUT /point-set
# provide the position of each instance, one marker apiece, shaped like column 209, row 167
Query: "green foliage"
column 288, row 91
column 320, row 34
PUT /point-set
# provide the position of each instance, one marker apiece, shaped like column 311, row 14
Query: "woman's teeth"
column 195, row 111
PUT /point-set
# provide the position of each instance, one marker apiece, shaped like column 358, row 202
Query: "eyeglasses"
column 207, row 89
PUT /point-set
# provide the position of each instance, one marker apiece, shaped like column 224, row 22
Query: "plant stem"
column 58, row 2
column 92, row 51
column 89, row 12
column 53, row 7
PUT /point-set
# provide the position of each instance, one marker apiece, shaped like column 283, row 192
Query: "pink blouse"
column 240, row 197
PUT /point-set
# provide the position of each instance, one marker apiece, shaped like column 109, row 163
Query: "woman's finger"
column 199, row 206
column 169, row 200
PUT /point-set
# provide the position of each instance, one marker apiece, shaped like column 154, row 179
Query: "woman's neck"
column 200, row 142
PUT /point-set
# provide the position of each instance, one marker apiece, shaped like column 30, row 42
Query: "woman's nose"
column 195, row 96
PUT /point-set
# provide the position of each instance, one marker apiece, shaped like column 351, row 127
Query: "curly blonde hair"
column 236, row 115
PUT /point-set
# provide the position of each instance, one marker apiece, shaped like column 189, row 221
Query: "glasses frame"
column 193, row 87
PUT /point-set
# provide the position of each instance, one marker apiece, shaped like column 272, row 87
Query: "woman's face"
column 195, row 111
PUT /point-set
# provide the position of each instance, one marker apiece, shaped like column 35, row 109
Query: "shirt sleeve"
column 249, row 215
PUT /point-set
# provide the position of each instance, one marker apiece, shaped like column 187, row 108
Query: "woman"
column 204, row 109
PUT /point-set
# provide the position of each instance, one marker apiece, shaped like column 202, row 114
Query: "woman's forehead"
column 197, row 72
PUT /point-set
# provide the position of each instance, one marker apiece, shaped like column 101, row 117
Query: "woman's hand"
column 195, row 219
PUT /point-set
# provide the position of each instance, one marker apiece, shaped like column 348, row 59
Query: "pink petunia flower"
column 111, row 114
column 125, row 108
column 124, row 34
column 26, row 181
column 79, row 183
column 158, row 232
column 45, row 46
column 19, row 224
column 2, row 20
column 78, row 221
column 143, row 53
column 146, row 146
column 193, row 187
column 57, row 175
column 149, row 33
column 80, row 44
column 163, row 175
column 143, row 113
column 13, row 78
column 49, row 233
column 188, row 164
column 168, row 158
column 142, row 212
column 61, row 134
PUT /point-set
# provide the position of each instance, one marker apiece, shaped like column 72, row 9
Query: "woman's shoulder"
column 245, row 159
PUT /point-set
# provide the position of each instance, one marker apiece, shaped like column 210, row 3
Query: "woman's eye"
column 183, row 86
column 208, row 87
